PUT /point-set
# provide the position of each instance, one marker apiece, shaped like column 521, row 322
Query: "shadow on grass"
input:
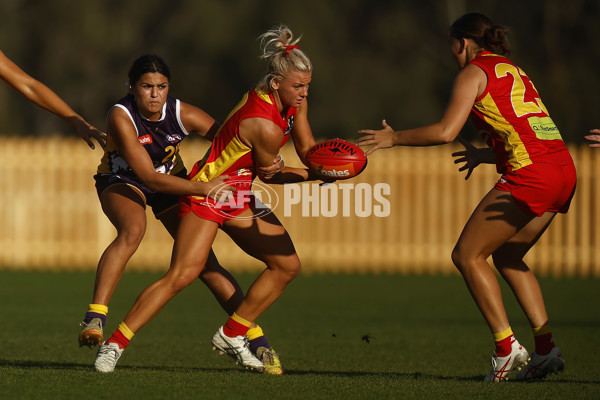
column 395, row 375
column 419, row 375
column 41, row 364
column 340, row 374
column 90, row 367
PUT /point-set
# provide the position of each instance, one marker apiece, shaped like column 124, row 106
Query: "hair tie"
column 290, row 48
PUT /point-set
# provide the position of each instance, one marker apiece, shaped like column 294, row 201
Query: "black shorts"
column 159, row 202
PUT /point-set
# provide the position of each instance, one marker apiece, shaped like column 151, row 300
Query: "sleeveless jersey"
column 229, row 155
column 511, row 117
column 160, row 138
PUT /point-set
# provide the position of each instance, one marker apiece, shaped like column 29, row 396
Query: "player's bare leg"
column 267, row 240
column 221, row 283
column 508, row 259
column 190, row 252
column 229, row 295
column 125, row 209
column 496, row 219
column 547, row 358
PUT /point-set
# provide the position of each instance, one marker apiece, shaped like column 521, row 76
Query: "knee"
column 290, row 268
column 457, row 258
column 180, row 281
column 183, row 271
column 461, row 258
column 132, row 235
column 295, row 269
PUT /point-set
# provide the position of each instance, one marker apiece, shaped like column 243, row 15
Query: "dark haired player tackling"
column 142, row 166
column 250, row 137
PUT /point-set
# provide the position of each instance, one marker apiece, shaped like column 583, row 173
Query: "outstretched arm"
column 124, row 135
column 468, row 84
column 41, row 95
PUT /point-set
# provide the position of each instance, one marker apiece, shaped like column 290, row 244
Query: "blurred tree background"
column 373, row 59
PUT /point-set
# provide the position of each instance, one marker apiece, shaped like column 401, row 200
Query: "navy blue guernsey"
column 160, row 138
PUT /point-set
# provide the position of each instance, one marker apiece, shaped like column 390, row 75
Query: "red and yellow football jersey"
column 229, row 155
column 511, row 117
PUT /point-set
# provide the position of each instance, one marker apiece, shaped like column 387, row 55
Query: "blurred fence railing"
column 50, row 217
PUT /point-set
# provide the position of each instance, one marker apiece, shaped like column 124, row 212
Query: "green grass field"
column 425, row 337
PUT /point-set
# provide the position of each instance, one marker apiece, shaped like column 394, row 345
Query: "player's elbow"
column 446, row 136
column 446, row 132
column 446, row 139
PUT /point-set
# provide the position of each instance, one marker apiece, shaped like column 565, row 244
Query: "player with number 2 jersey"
column 160, row 139
column 528, row 147
column 538, row 180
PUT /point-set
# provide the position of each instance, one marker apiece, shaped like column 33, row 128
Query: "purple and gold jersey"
column 160, row 138
column 511, row 117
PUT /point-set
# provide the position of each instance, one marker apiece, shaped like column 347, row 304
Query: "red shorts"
column 213, row 211
column 541, row 187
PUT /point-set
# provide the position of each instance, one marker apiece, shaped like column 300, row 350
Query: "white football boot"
column 237, row 348
column 541, row 366
column 502, row 366
column 107, row 357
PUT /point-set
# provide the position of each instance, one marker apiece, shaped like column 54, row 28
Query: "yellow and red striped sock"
column 122, row 336
column 236, row 326
column 503, row 341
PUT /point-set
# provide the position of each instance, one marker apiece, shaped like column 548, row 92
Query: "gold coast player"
column 250, row 137
column 42, row 96
column 538, row 180
column 142, row 166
